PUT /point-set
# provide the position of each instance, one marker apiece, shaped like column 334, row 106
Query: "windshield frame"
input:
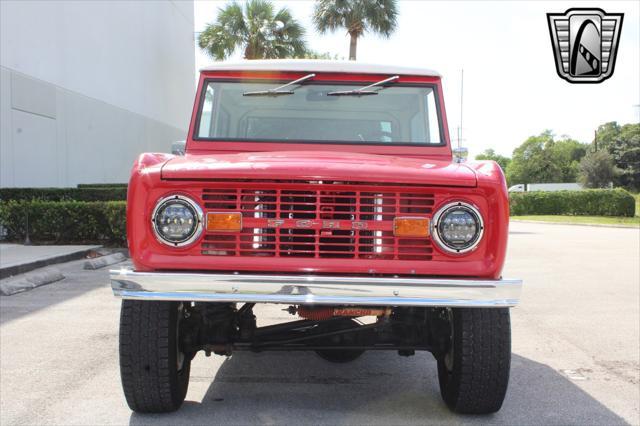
column 205, row 84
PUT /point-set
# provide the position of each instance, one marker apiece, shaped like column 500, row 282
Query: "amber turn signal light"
column 228, row 222
column 411, row 227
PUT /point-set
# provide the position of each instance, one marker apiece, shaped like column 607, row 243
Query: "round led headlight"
column 457, row 227
column 177, row 220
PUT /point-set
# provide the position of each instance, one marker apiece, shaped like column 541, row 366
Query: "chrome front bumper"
column 310, row 289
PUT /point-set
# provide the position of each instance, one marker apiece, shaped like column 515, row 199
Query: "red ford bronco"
column 330, row 188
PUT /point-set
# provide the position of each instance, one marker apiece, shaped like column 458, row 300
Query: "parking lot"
column 575, row 353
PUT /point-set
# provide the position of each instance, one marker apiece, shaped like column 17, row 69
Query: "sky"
column 511, row 88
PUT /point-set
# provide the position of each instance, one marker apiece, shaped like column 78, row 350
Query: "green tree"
column 626, row 154
column 311, row 54
column 567, row 153
column 490, row 154
column 597, row 169
column 357, row 17
column 542, row 159
column 623, row 143
column 261, row 32
column 606, row 134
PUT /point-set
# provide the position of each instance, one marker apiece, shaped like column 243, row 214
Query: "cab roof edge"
column 310, row 66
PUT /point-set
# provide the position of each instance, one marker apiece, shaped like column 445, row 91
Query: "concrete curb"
column 29, row 281
column 102, row 261
column 597, row 225
column 10, row 271
column 103, row 251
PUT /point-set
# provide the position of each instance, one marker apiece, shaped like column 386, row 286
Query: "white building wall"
column 85, row 86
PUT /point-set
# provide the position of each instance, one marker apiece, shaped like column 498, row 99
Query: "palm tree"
column 357, row 17
column 262, row 33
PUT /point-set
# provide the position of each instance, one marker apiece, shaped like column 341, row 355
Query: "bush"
column 65, row 222
column 102, row 185
column 589, row 202
column 64, row 194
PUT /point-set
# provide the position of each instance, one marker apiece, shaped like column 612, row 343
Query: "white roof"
column 313, row 65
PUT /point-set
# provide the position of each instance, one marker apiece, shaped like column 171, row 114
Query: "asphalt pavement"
column 576, row 353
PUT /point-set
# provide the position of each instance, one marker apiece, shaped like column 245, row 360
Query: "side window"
column 433, row 128
column 204, row 131
column 387, row 133
column 417, row 128
column 222, row 127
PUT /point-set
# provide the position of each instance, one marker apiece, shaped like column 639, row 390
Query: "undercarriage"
column 223, row 328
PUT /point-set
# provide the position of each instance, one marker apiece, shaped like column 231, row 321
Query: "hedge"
column 65, row 222
column 64, row 194
column 102, row 185
column 588, row 202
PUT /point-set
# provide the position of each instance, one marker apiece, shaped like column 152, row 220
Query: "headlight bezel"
column 441, row 213
column 198, row 214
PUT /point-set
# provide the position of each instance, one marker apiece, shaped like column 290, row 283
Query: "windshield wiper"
column 278, row 90
column 363, row 91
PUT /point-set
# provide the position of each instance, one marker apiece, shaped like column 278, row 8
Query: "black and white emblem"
column 585, row 43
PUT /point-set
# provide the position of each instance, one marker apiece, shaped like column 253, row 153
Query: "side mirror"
column 460, row 155
column 177, row 148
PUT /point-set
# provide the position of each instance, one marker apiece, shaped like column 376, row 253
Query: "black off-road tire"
column 481, row 360
column 339, row 356
column 151, row 379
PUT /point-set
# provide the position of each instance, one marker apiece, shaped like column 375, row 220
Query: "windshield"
column 395, row 114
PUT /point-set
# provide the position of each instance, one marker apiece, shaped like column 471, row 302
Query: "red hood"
column 318, row 165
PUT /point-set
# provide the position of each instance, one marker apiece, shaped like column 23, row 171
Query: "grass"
column 587, row 220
